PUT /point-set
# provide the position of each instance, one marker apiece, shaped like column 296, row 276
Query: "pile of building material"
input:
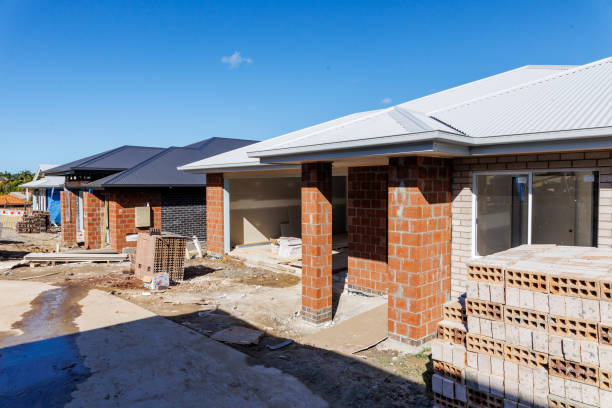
column 36, row 222
column 160, row 253
column 536, row 330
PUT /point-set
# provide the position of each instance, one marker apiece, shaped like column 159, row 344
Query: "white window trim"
column 529, row 173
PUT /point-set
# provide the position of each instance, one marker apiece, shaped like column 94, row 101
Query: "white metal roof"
column 526, row 102
column 485, row 86
column 579, row 98
column 364, row 130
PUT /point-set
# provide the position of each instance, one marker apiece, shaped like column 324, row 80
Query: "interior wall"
column 263, row 208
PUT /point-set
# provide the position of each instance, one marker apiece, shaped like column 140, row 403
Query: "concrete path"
column 66, row 346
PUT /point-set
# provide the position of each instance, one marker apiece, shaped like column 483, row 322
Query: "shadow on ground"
column 46, row 372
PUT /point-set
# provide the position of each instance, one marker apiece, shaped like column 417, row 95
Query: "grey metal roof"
column 572, row 103
column 395, row 120
column 117, row 159
column 161, row 170
column 579, row 98
column 485, row 86
column 45, row 182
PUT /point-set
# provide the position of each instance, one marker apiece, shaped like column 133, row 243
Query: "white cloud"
column 235, row 60
column 386, row 101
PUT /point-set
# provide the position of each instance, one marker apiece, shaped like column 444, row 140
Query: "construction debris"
column 238, row 335
column 536, row 331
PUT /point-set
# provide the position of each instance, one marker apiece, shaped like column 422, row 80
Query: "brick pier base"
column 93, row 214
column 419, row 196
column 316, row 242
column 215, row 230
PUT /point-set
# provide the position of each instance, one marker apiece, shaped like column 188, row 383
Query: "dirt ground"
column 217, row 294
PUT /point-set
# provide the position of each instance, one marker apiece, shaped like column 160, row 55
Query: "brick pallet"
column 534, row 330
column 160, row 252
column 36, row 222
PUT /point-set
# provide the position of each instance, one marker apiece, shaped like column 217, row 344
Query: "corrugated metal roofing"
column 485, row 86
column 530, row 99
column 161, row 170
column 386, row 122
column 579, row 98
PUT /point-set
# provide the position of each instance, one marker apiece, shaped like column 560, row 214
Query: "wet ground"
column 43, row 365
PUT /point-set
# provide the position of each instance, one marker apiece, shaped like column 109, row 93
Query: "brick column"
column 316, row 242
column 93, row 214
column 419, row 246
column 215, row 230
column 69, row 217
column 367, row 229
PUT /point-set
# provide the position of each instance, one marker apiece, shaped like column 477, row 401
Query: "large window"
column 539, row 207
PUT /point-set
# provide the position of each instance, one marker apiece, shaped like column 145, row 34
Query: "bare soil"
column 217, row 294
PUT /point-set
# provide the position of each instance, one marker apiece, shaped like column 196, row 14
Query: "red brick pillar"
column 367, row 229
column 317, row 242
column 93, row 214
column 215, row 230
column 69, row 217
column 419, row 246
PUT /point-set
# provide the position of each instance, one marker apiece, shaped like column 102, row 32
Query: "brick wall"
column 215, row 232
column 122, row 202
column 463, row 170
column 317, row 242
column 367, row 229
column 93, row 216
column 69, row 215
column 419, row 205
column 184, row 211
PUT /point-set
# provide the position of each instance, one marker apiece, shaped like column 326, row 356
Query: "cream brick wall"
column 461, row 250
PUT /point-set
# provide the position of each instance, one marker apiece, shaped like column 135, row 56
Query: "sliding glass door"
column 541, row 207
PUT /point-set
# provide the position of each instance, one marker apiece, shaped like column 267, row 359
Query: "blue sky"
column 80, row 77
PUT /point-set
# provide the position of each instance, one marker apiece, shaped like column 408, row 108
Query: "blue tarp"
column 53, row 205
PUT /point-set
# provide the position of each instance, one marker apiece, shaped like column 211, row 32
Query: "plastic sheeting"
column 54, row 206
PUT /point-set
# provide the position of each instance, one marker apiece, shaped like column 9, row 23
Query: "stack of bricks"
column 538, row 332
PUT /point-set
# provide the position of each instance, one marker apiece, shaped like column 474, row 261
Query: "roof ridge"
column 523, row 85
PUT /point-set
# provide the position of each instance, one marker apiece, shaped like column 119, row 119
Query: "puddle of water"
column 42, row 366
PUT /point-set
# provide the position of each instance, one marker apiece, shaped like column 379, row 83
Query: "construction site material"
column 349, row 336
column 538, row 321
column 158, row 253
column 34, row 258
column 290, row 248
column 36, row 222
column 238, row 335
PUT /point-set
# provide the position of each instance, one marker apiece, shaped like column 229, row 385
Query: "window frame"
column 529, row 173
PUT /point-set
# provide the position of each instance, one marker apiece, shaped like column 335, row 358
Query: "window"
column 535, row 207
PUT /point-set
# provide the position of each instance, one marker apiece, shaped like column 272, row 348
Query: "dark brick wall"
column 184, row 211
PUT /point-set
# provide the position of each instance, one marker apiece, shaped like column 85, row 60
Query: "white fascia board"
column 543, row 136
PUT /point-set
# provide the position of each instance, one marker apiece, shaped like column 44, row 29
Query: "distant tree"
column 11, row 181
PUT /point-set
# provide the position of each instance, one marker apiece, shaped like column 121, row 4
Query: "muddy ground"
column 217, row 294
